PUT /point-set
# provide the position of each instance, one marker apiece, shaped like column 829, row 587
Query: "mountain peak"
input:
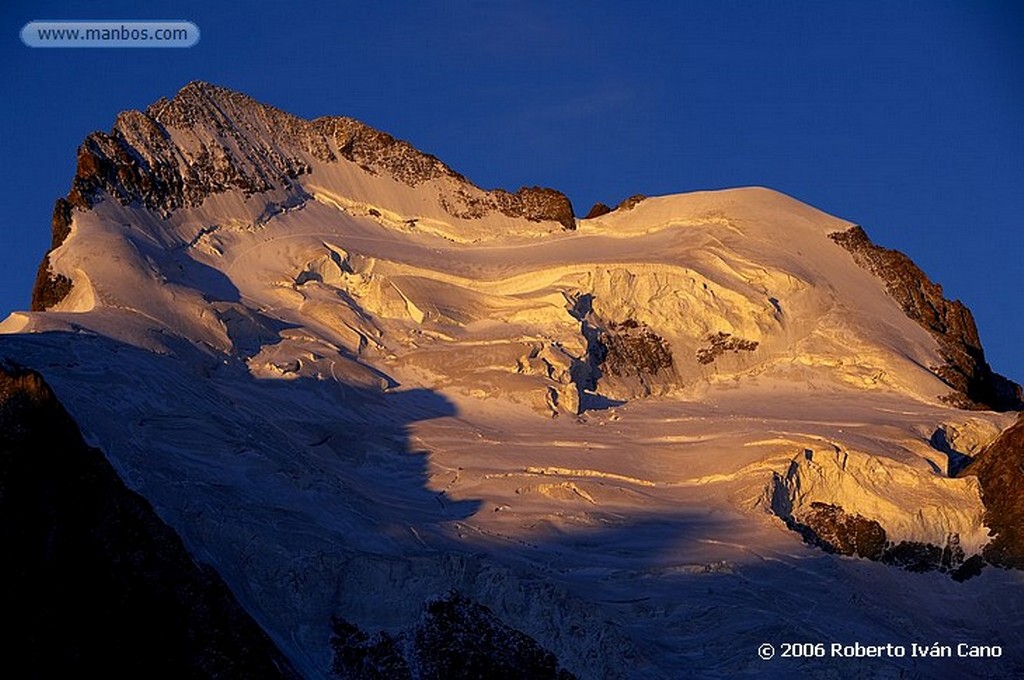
column 355, row 380
column 209, row 139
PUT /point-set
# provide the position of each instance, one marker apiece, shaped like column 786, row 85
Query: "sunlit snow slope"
column 352, row 381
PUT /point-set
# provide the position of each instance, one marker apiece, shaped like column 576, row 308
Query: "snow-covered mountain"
column 380, row 401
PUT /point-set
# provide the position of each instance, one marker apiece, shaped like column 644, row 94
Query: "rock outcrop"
column 1000, row 470
column 597, row 210
column 537, row 204
column 834, row 530
column 630, row 202
column 720, row 343
column 631, row 348
column 208, row 140
column 51, row 288
column 92, row 581
column 974, row 382
column 454, row 639
column 623, row 358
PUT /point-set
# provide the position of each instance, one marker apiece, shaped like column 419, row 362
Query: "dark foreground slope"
column 92, row 582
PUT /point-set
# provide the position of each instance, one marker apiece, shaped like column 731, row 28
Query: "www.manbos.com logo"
column 110, row 34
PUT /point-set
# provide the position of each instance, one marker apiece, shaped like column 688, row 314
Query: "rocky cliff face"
column 1000, row 470
column 50, row 288
column 208, row 140
column 974, row 382
column 92, row 581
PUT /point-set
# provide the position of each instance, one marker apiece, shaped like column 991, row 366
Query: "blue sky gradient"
column 905, row 117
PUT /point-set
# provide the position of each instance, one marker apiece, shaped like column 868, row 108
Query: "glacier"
column 352, row 381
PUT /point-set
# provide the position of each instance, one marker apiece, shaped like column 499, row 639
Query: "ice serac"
column 414, row 424
column 92, row 581
column 841, row 501
column 965, row 370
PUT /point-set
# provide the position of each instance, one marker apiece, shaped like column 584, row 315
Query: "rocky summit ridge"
column 223, row 140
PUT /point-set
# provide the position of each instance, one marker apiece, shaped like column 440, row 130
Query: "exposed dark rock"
column 61, row 223
column 974, row 383
column 241, row 144
column 720, row 343
column 50, row 288
column 458, row 638
column 1000, row 471
column 914, row 556
column 597, row 210
column 454, row 639
column 361, row 657
column 630, row 202
column 92, row 581
column 971, row 567
column 830, row 528
column 834, row 530
column 537, row 204
column 627, row 350
column 633, row 349
column 381, row 153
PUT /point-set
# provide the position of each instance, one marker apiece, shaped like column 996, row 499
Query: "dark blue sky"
column 905, row 117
